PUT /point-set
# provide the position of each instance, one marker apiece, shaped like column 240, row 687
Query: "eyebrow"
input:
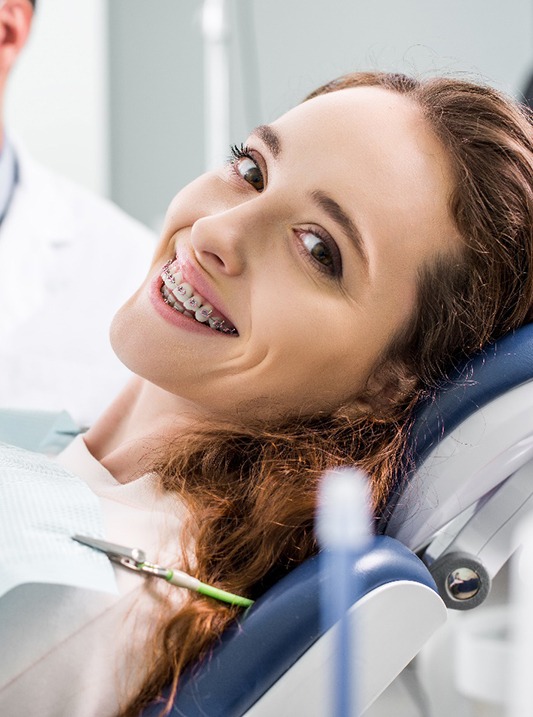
column 273, row 141
column 270, row 137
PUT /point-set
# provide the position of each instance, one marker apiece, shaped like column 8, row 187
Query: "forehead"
column 358, row 104
column 377, row 123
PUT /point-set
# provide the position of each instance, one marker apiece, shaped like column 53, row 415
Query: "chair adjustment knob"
column 462, row 580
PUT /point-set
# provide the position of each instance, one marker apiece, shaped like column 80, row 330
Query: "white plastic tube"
column 215, row 30
column 343, row 529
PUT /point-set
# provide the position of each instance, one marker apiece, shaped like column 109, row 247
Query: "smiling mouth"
column 183, row 297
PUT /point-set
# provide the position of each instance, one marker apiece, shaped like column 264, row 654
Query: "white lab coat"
column 68, row 260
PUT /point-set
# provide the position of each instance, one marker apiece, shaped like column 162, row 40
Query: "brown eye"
column 251, row 173
column 318, row 250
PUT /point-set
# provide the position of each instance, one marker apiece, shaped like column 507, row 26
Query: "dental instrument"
column 135, row 559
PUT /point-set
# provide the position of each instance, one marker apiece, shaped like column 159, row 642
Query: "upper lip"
column 193, row 276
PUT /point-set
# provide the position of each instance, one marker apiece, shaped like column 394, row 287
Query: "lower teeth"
column 215, row 323
column 170, row 300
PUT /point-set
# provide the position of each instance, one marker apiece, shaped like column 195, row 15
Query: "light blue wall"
column 155, row 102
column 280, row 50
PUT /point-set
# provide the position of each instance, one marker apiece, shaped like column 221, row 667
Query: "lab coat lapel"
column 36, row 229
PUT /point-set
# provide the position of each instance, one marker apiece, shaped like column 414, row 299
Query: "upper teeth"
column 190, row 303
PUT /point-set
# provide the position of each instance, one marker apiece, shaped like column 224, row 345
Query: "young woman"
column 301, row 301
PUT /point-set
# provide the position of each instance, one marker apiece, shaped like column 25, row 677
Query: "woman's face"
column 307, row 244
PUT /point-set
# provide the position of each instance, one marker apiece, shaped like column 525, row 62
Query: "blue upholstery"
column 278, row 629
column 497, row 369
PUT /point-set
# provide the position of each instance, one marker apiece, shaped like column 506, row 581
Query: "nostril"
column 217, row 259
column 223, row 261
column 210, row 257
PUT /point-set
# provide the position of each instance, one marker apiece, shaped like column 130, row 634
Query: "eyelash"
column 238, row 152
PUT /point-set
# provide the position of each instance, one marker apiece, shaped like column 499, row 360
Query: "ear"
column 15, row 22
column 391, row 385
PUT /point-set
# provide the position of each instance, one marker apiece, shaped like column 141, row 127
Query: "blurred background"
column 111, row 94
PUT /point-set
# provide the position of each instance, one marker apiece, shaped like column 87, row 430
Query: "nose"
column 226, row 241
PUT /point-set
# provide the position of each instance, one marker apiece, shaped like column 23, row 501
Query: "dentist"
column 59, row 245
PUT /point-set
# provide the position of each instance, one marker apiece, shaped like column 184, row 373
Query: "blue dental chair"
column 448, row 530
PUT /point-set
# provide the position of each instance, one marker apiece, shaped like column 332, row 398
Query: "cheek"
column 316, row 358
column 329, row 350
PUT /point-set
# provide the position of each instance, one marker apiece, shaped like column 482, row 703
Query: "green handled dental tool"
column 135, row 559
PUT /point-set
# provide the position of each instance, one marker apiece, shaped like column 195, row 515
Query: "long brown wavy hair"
column 251, row 491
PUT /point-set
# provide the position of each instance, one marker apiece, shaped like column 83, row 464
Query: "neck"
column 140, row 420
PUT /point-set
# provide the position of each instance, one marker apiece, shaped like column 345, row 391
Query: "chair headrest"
column 496, row 370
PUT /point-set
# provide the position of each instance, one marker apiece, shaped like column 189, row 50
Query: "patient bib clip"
column 135, row 559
